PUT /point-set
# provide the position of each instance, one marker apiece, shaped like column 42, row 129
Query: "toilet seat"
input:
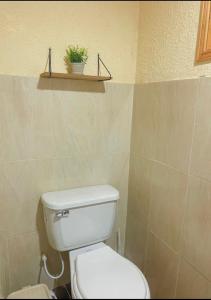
column 104, row 274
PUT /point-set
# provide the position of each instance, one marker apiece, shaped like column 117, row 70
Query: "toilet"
column 80, row 221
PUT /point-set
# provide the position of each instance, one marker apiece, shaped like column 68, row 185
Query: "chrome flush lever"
column 62, row 213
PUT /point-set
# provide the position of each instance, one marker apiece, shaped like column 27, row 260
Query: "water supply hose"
column 44, row 260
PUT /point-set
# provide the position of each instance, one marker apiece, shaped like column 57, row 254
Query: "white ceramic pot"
column 77, row 68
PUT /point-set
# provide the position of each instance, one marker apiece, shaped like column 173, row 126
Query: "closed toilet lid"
column 104, row 274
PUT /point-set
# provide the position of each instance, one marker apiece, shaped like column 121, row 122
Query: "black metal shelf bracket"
column 99, row 60
column 49, row 62
column 99, row 63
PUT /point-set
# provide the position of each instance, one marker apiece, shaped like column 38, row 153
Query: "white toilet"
column 79, row 221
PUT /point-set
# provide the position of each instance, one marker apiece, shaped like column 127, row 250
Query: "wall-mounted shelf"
column 72, row 76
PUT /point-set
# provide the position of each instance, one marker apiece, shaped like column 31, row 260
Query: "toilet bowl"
column 98, row 272
column 80, row 221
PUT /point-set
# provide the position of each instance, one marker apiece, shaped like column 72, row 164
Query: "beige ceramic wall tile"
column 161, row 269
column 41, row 141
column 24, row 260
column 21, row 186
column 164, row 119
column 168, row 192
column 138, row 199
column 117, row 109
column 136, row 237
column 139, row 187
column 201, row 157
column 74, row 125
column 90, row 123
column 44, row 124
column 114, row 169
column 142, row 127
column 25, row 128
column 4, row 266
column 191, row 284
column 14, row 127
column 6, row 83
column 197, row 238
column 52, row 137
column 23, row 183
column 121, row 184
column 24, row 253
column 110, row 166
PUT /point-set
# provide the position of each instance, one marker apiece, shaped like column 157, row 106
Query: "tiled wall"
column 169, row 211
column 55, row 135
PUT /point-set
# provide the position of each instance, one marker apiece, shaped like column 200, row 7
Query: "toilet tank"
column 79, row 217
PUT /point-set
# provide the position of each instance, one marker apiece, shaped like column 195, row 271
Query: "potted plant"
column 75, row 59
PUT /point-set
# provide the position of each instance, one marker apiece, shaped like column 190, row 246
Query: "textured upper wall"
column 167, row 41
column 27, row 29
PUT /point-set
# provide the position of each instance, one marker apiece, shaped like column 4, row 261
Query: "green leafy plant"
column 75, row 54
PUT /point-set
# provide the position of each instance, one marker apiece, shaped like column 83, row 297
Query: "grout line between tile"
column 162, row 241
column 146, row 250
column 130, row 157
column 196, row 269
column 20, row 234
column 8, row 275
column 182, row 232
column 163, row 164
column 9, row 269
column 109, row 153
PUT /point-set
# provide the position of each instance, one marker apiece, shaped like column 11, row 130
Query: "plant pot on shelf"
column 77, row 68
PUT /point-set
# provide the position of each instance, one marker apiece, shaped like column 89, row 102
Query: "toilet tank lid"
column 79, row 197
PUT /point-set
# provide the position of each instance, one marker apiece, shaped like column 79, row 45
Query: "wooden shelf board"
column 74, row 76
